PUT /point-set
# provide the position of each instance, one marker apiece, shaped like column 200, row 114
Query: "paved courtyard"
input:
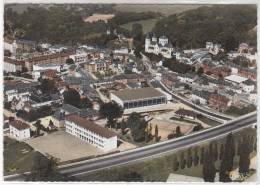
column 63, row 146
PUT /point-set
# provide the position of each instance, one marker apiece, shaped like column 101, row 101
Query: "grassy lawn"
column 166, row 9
column 147, row 24
column 236, row 111
column 208, row 121
column 18, row 156
column 128, row 138
column 158, row 168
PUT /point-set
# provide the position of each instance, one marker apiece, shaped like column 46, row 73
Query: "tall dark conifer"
column 209, row 170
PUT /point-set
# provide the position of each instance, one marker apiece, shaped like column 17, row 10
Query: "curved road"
column 159, row 148
column 195, row 107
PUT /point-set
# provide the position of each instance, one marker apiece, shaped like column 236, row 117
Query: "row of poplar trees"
column 207, row 156
column 244, row 147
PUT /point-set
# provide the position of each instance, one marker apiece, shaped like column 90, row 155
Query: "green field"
column 166, row 9
column 18, row 156
column 147, row 25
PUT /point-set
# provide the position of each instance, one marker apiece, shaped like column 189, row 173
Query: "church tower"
column 147, row 42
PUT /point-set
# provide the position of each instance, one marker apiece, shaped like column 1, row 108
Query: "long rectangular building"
column 134, row 98
column 90, row 132
column 56, row 58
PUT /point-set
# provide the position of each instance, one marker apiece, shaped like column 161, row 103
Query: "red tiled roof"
column 50, row 56
column 219, row 98
column 19, row 125
column 90, row 126
column 50, row 73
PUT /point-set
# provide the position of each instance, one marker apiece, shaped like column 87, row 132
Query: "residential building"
column 213, row 48
column 18, row 90
column 96, row 66
column 58, row 117
column 200, row 97
column 79, row 57
column 19, row 130
column 248, row 73
column 253, row 97
column 26, row 45
column 124, row 79
column 169, row 80
column 135, row 98
column 234, row 69
column 179, row 86
column 219, row 102
column 90, row 132
column 37, row 100
column 56, row 58
column 122, row 50
column 80, row 84
column 186, row 78
column 10, row 45
column 57, row 48
column 50, row 74
column 248, row 86
column 12, row 65
column 235, row 79
column 243, row 48
column 130, row 78
column 162, row 46
column 221, row 71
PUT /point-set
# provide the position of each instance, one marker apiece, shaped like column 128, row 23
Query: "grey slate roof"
column 138, row 94
column 69, row 109
column 20, row 86
column 249, row 82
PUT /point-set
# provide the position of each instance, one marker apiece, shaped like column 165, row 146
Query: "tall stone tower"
column 147, row 42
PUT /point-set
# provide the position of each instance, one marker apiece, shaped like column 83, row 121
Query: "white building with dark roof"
column 12, row 65
column 19, row 130
column 235, row 79
column 201, row 97
column 142, row 97
column 90, row 132
column 18, row 90
column 248, row 86
column 158, row 46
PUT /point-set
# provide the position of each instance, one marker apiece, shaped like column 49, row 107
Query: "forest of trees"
column 228, row 25
column 53, row 25
column 62, row 24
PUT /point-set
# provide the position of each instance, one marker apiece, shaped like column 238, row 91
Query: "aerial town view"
column 130, row 93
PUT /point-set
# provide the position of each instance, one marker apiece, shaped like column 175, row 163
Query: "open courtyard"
column 63, row 146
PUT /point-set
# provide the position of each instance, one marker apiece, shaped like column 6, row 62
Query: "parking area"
column 63, row 146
